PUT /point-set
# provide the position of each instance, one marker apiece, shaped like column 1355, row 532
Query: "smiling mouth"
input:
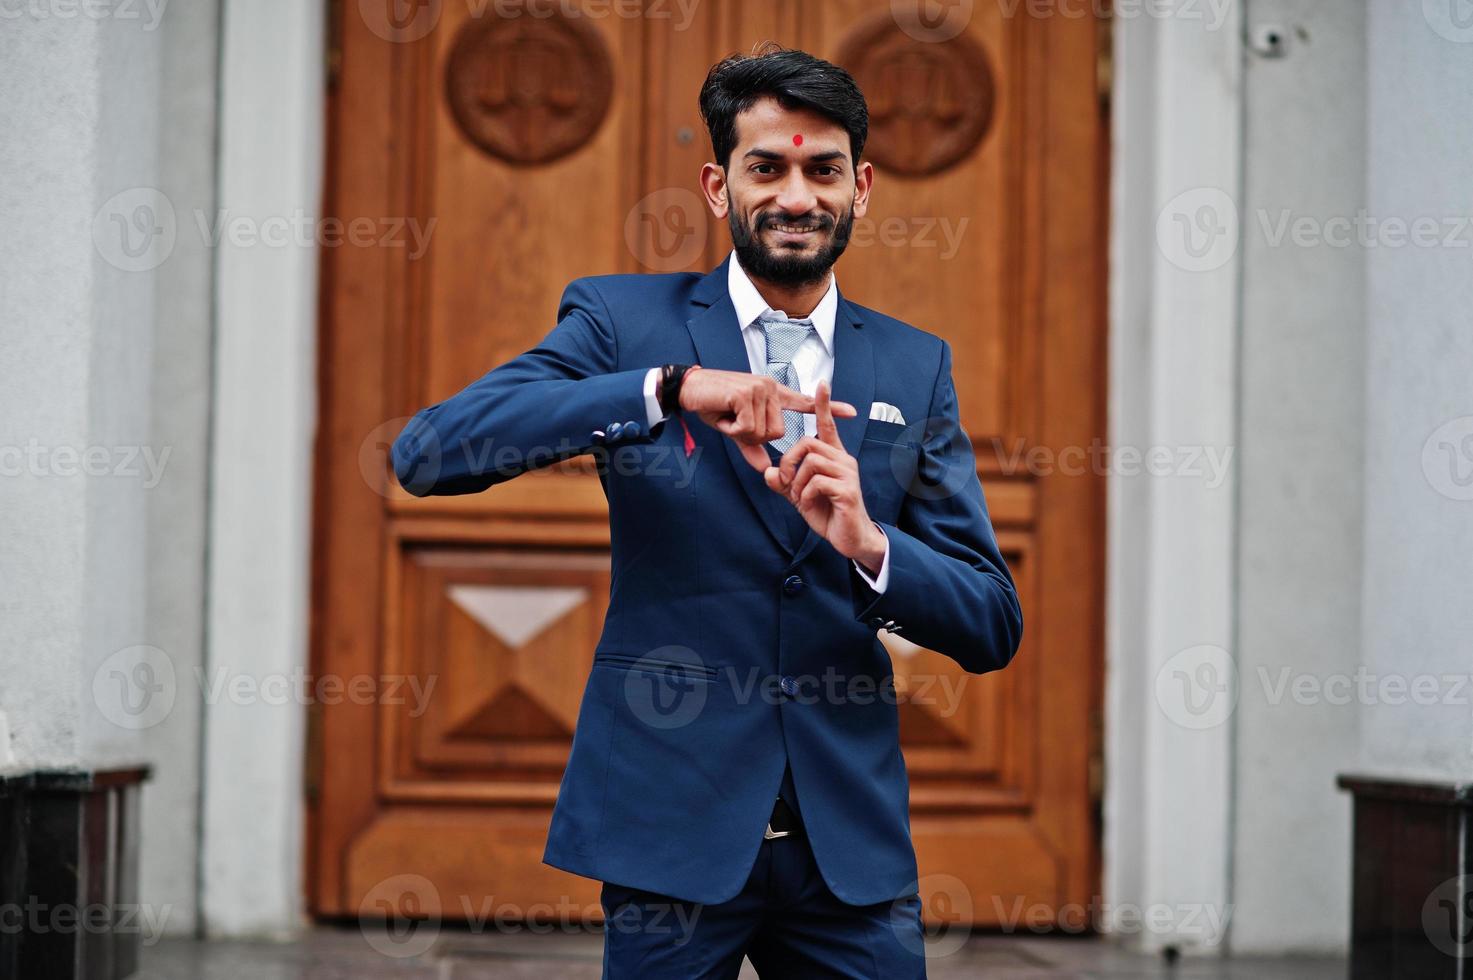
column 792, row 229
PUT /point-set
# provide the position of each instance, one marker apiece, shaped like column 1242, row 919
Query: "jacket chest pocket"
column 886, row 470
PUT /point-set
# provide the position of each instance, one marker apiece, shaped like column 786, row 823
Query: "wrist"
column 872, row 554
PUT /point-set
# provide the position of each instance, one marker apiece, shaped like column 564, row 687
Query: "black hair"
column 796, row 79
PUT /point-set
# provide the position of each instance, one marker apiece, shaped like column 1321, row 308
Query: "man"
column 736, row 779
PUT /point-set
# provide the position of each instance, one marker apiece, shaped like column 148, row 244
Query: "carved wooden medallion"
column 930, row 102
column 528, row 89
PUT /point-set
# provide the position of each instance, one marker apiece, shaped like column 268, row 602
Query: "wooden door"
column 541, row 147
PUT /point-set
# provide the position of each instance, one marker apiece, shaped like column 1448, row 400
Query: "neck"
column 796, row 301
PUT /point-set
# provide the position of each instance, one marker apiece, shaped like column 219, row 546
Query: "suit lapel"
column 718, row 341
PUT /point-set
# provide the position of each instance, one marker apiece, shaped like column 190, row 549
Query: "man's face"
column 790, row 192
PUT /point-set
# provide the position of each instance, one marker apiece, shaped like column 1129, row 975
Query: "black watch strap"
column 671, row 378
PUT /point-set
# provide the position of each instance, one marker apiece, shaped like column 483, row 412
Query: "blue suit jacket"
column 733, row 644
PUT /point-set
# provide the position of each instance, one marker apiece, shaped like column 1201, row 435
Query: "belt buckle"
column 779, row 808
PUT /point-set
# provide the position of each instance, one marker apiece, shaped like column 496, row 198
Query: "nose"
column 794, row 196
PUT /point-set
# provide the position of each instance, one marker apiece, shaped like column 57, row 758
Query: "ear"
column 864, row 179
column 713, row 186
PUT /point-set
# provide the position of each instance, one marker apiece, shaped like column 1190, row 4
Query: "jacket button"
column 877, row 622
column 615, row 430
column 792, row 585
column 789, row 686
column 631, row 430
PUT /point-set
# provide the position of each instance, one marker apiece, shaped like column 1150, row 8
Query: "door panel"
column 986, row 228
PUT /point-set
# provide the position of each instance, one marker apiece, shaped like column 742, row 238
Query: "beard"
column 787, row 267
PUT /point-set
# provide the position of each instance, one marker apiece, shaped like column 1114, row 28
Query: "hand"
column 747, row 407
column 821, row 479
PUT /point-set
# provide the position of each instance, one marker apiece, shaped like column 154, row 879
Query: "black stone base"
column 1412, row 883
column 69, row 874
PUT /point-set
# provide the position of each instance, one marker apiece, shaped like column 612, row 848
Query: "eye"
column 827, row 170
column 764, row 169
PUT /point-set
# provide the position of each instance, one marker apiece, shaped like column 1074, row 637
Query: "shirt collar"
column 750, row 305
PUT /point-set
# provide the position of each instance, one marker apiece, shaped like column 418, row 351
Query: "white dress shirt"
column 812, row 362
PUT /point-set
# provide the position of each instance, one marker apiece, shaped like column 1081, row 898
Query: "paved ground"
column 333, row 954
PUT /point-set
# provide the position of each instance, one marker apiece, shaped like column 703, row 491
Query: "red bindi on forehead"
column 797, row 139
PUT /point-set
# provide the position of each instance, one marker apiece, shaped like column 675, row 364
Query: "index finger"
column 800, row 402
column 826, row 431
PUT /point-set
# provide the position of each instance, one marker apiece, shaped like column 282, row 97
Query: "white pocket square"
column 886, row 412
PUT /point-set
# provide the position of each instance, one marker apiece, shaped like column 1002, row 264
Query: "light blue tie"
column 784, row 337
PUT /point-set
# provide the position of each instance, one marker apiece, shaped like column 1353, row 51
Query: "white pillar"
column 271, row 159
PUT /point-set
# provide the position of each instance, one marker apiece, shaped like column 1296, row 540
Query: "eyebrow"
column 824, row 157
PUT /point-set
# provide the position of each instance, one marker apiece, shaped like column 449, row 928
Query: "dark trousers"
column 785, row 920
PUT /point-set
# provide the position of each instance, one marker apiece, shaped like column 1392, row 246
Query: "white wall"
column 1299, row 512
column 1417, row 596
column 103, row 395
column 50, row 102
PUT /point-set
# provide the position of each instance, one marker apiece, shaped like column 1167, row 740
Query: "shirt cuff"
column 880, row 581
column 651, row 403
